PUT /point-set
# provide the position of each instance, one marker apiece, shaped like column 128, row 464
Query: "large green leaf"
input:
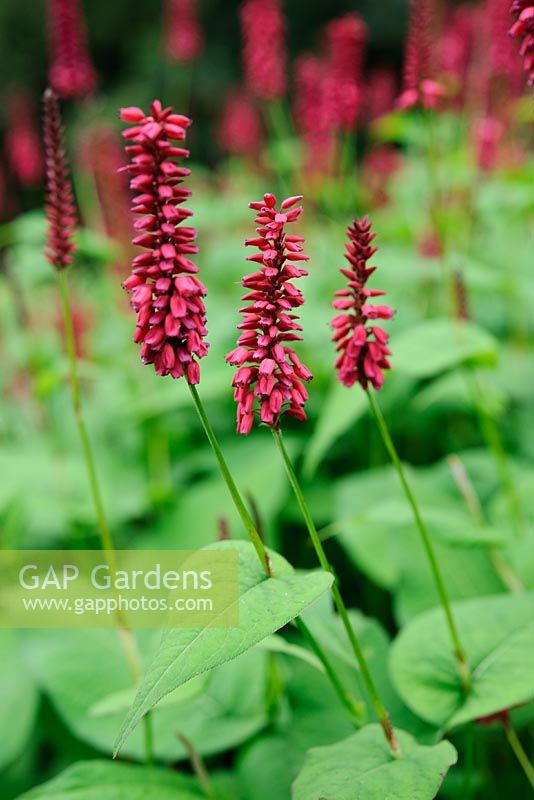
column 80, row 669
column 106, row 780
column 363, row 768
column 498, row 637
column 265, row 605
column 19, row 699
column 432, row 346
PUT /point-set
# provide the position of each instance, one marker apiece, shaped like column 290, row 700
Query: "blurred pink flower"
column 488, row 134
column 22, row 143
column 60, row 210
column 313, row 111
column 269, row 371
column 239, row 132
column 184, row 36
column 166, row 295
column 380, row 93
column 345, row 39
column 379, row 166
column 264, row 57
column 523, row 29
column 362, row 348
column 72, row 74
column 420, row 86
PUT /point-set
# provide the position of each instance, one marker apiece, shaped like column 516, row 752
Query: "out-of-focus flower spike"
column 60, row 210
column 184, row 36
column 72, row 74
column 269, row 381
column 264, row 56
column 420, row 87
column 240, row 130
column 22, row 143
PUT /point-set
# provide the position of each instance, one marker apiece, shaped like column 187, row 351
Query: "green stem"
column 260, row 547
column 345, row 697
column 242, row 510
column 128, row 642
column 519, row 752
column 381, row 712
column 493, row 440
column 459, row 655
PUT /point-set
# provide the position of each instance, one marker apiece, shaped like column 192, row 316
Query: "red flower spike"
column 165, row 292
column 72, row 74
column 420, row 89
column 269, row 378
column 523, row 29
column 240, row 131
column 345, row 44
column 60, row 211
column 185, row 39
column 363, row 351
column 22, row 141
column 263, row 29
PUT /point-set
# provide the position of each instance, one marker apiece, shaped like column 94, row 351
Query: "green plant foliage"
column 363, row 768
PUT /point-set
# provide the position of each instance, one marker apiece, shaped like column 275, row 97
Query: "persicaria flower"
column 165, row 292
column 72, row 74
column 240, row 130
column 59, row 206
column 185, row 39
column 420, row 88
column 523, row 29
column 22, row 143
column 363, row 351
column 269, row 378
column 263, row 28
column 314, row 112
column 345, row 41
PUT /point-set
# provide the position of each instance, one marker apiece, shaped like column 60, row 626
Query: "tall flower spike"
column 168, row 298
column 345, row 45
column 22, row 141
column 420, row 89
column 60, row 211
column 270, row 376
column 263, row 28
column 185, row 39
column 363, row 351
column 239, row 132
column 523, row 29
column 72, row 74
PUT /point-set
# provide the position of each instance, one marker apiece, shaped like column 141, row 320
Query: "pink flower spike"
column 185, row 39
column 523, row 30
column 363, row 351
column 419, row 87
column 60, row 210
column 263, row 30
column 270, row 385
column 71, row 74
column 171, row 317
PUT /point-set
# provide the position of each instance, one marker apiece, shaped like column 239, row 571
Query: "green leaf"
column 435, row 345
column 19, row 699
column 498, row 637
column 265, row 605
column 120, row 702
column 340, row 410
column 363, row 768
column 105, row 780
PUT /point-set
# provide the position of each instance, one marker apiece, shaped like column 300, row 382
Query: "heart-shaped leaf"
column 105, row 780
column 363, row 768
column 498, row 636
column 265, row 605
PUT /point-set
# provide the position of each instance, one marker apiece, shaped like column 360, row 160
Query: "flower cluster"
column 240, row 130
column 420, row 89
column 185, row 39
column 345, row 41
column 72, row 73
column 523, row 28
column 269, row 372
column 22, row 145
column 60, row 211
column 314, row 112
column 363, row 351
column 263, row 28
column 165, row 293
